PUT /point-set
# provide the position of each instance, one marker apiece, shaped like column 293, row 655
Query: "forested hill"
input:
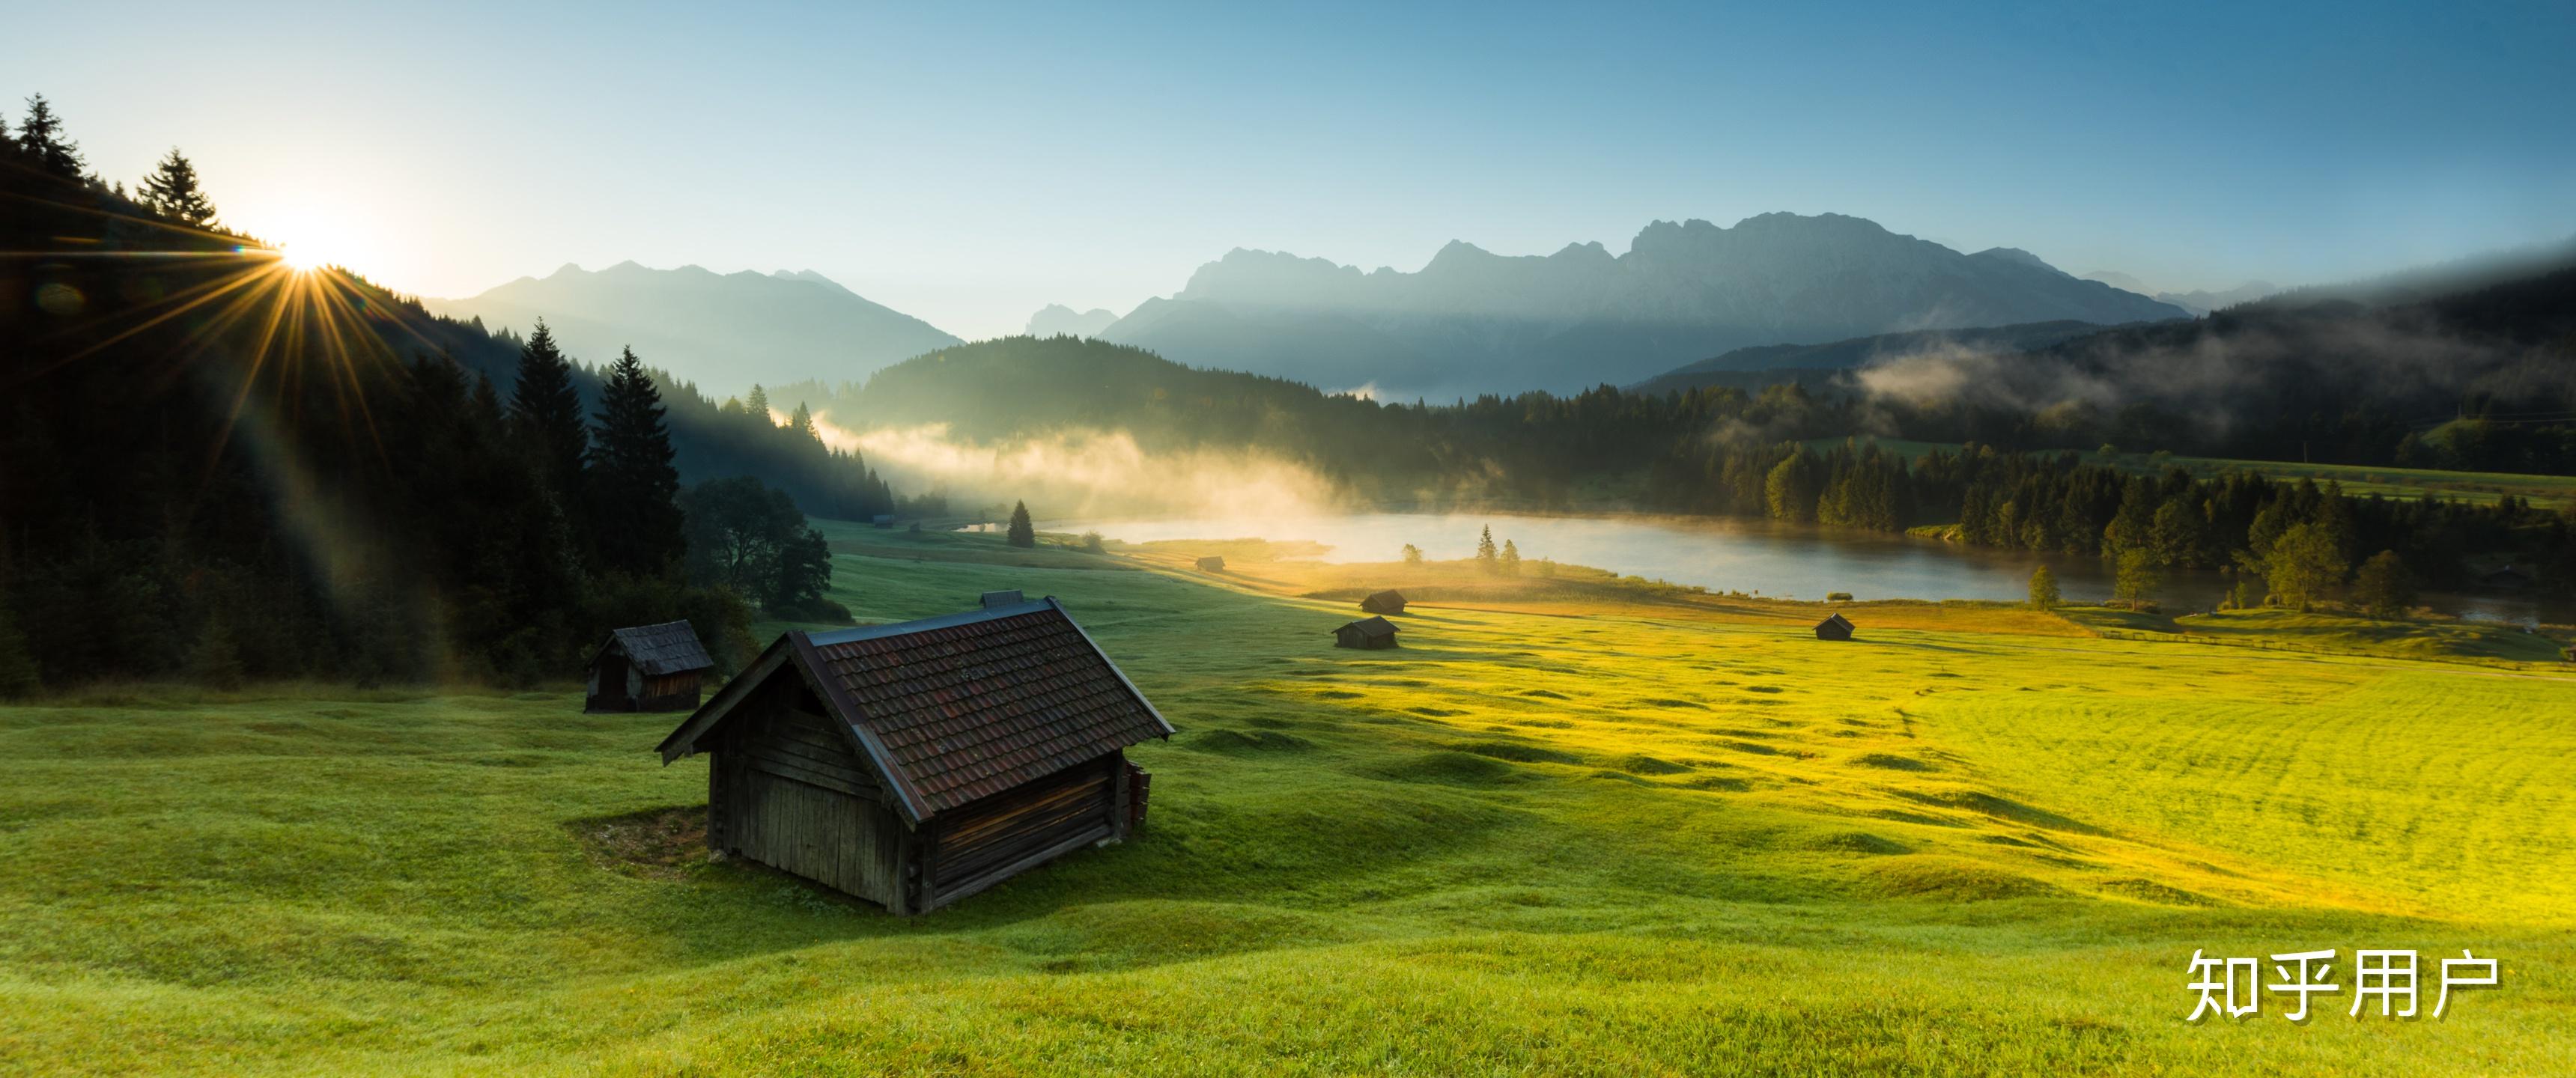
column 2427, row 370
column 1779, row 362
column 217, row 465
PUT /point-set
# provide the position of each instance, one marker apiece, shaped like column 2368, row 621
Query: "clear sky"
column 970, row 163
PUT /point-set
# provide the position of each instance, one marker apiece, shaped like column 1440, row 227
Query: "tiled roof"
column 966, row 705
column 668, row 648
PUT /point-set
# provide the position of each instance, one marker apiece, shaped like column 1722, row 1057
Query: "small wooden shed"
column 1212, row 564
column 918, row 763
column 1384, row 602
column 647, row 668
column 1368, row 633
column 2508, row 578
column 1836, row 627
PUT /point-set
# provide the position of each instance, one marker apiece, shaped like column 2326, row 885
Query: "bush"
column 1092, row 544
column 1838, row 597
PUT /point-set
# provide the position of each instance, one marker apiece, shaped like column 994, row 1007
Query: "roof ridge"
column 923, row 625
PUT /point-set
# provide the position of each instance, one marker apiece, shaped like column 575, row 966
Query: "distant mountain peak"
column 723, row 331
column 1057, row 319
column 2016, row 254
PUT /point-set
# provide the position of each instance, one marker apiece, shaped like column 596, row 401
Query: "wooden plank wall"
column 787, row 791
column 979, row 844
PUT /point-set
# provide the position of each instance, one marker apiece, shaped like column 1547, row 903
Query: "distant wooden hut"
column 1836, row 627
column 1212, row 564
column 915, row 764
column 1001, row 598
column 1367, row 633
column 1384, row 602
column 2508, row 578
column 647, row 668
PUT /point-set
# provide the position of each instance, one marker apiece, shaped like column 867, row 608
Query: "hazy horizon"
column 969, row 177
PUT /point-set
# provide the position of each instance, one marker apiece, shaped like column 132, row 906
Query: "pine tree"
column 545, row 411
column 758, row 404
column 802, row 422
column 1485, row 553
column 1510, row 562
column 2043, row 589
column 1024, row 533
column 41, row 136
column 632, row 478
column 173, row 192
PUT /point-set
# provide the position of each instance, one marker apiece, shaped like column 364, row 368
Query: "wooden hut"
column 915, row 764
column 1384, row 602
column 1212, row 564
column 647, row 668
column 2508, row 578
column 1836, row 627
column 1368, row 633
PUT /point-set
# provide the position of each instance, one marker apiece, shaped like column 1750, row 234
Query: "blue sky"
column 969, row 163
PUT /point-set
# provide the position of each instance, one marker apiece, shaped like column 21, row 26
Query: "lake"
column 1756, row 557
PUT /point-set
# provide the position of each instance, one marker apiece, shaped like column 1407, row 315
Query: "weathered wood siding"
column 978, row 845
column 785, row 789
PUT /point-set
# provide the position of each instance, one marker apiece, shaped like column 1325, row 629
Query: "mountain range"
column 1471, row 321
column 724, row 331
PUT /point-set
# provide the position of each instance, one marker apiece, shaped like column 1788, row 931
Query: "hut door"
column 612, row 682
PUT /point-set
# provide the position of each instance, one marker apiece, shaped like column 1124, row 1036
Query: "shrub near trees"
column 752, row 540
column 2382, row 587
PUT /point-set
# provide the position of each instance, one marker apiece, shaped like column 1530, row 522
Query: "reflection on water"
column 1780, row 561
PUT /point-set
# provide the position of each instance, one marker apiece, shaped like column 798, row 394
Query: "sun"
column 304, row 257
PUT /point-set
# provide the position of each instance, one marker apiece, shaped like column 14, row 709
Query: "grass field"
column 1571, row 827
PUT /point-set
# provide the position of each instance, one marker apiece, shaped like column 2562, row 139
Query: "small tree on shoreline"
column 2043, row 589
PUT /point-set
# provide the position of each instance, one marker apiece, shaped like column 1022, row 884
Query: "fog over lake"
column 1774, row 560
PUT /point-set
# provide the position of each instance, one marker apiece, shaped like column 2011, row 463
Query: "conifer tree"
column 1510, row 562
column 2382, row 585
column 1485, row 553
column 632, row 478
column 802, row 422
column 41, row 136
column 173, row 192
column 758, row 404
column 545, row 412
column 1024, row 533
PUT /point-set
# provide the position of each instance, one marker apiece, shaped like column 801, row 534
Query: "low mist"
column 1090, row 474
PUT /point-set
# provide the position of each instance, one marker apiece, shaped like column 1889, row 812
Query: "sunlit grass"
column 1636, row 838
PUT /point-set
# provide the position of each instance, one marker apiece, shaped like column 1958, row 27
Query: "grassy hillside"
column 1609, row 837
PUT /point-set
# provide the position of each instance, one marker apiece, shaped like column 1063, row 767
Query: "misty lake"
column 1780, row 561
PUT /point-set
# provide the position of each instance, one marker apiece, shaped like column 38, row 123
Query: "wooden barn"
column 1369, row 633
column 1212, row 564
column 1384, row 602
column 918, row 763
column 1836, row 627
column 647, row 668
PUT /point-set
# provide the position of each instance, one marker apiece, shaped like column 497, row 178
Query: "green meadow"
column 1590, row 835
